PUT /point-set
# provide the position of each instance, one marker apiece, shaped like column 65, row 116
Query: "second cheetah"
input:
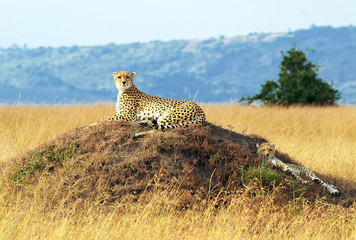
column 268, row 151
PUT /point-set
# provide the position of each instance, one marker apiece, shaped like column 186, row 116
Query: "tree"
column 298, row 83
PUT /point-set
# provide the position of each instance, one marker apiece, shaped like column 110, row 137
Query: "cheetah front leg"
column 293, row 169
column 329, row 187
column 287, row 168
column 116, row 117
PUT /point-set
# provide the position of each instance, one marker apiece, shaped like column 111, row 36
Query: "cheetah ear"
column 257, row 145
column 114, row 73
column 133, row 74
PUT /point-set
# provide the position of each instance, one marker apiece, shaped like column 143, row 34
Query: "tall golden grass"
column 323, row 139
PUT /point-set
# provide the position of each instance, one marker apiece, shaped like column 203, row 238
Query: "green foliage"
column 217, row 158
column 264, row 176
column 298, row 83
column 43, row 161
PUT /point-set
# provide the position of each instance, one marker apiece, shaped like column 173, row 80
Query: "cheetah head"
column 123, row 80
column 266, row 150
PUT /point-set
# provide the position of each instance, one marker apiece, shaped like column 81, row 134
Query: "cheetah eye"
column 119, row 77
column 263, row 149
column 127, row 77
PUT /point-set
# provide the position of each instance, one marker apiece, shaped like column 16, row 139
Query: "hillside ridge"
column 208, row 70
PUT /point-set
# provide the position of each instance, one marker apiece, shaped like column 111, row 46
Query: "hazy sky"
column 89, row 22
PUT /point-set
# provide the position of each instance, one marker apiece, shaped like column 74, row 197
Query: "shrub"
column 298, row 83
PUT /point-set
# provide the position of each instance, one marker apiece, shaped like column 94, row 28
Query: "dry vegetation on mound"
column 104, row 164
column 197, row 183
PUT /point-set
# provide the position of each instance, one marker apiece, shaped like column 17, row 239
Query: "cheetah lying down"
column 163, row 113
column 268, row 151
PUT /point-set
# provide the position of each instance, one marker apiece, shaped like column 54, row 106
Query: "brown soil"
column 105, row 164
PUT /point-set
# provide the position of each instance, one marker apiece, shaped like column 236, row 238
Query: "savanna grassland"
column 322, row 139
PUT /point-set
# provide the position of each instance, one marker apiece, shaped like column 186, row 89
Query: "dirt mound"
column 105, row 164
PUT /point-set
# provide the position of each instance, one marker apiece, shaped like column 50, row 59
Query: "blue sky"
column 88, row 22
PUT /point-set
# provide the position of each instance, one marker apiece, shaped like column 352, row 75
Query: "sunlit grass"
column 26, row 127
column 323, row 139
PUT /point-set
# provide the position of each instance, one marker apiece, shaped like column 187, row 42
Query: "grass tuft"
column 264, row 176
column 44, row 160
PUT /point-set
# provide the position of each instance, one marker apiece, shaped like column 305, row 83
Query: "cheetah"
column 162, row 113
column 268, row 151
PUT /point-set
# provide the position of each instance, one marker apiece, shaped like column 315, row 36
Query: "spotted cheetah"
column 268, row 151
column 162, row 113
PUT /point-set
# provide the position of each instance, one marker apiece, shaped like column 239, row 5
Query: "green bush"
column 262, row 175
column 298, row 83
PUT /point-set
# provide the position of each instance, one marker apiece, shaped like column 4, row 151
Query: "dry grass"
column 323, row 139
column 26, row 127
column 240, row 220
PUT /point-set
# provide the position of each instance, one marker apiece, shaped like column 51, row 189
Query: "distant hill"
column 207, row 70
